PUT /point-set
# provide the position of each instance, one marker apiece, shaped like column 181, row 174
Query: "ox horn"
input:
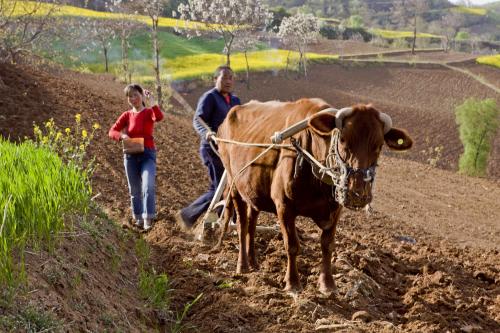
column 387, row 121
column 341, row 114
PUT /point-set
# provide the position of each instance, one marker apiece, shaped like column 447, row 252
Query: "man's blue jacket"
column 212, row 108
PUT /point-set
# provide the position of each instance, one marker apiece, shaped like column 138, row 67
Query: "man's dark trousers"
column 215, row 170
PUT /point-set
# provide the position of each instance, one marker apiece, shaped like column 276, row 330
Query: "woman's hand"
column 149, row 97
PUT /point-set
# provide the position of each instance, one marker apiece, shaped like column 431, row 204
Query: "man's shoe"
column 148, row 224
column 139, row 223
column 182, row 222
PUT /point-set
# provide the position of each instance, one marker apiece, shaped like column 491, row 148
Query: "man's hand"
column 210, row 136
column 124, row 136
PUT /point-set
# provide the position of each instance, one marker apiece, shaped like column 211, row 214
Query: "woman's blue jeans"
column 141, row 174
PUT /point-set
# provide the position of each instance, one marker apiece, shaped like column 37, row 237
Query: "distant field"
column 493, row 60
column 471, row 10
column 195, row 66
column 392, row 34
column 171, row 46
column 23, row 7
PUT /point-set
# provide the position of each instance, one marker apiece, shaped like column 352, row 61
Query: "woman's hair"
column 134, row 87
column 220, row 69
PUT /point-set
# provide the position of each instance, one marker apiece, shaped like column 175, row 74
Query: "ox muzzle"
column 353, row 186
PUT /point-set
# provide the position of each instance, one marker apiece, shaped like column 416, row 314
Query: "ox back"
column 276, row 171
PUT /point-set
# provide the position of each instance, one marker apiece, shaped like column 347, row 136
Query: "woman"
column 140, row 168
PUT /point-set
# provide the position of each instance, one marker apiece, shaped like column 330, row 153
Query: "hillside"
column 426, row 260
column 394, row 15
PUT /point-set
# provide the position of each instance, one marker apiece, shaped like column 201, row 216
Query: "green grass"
column 493, row 60
column 29, row 319
column 392, row 34
column 36, row 190
column 171, row 46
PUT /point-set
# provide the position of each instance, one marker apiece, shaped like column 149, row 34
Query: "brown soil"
column 343, row 47
column 427, row 260
column 438, row 56
column 418, row 99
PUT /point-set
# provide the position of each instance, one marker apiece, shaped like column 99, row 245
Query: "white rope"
column 247, row 144
column 244, row 168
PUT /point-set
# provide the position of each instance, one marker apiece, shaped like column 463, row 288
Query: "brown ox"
column 278, row 183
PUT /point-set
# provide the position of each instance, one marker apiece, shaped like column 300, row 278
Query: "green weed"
column 478, row 123
column 179, row 325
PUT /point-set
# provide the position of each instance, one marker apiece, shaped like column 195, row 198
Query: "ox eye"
column 342, row 140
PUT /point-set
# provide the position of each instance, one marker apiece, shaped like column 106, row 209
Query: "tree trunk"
column 105, row 51
column 478, row 149
column 248, row 71
column 304, row 61
column 287, row 62
column 157, row 61
column 228, row 45
column 125, row 57
column 414, row 34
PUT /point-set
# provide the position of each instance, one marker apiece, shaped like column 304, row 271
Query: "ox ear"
column 398, row 139
column 322, row 123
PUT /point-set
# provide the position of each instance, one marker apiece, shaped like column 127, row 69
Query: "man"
column 212, row 108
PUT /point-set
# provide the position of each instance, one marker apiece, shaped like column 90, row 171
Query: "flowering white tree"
column 22, row 24
column 97, row 34
column 228, row 19
column 299, row 31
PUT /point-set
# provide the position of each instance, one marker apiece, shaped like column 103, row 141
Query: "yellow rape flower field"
column 400, row 34
column 471, row 10
column 493, row 60
column 23, row 7
column 203, row 64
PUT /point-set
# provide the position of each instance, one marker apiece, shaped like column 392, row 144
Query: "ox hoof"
column 255, row 266
column 293, row 289
column 242, row 269
column 326, row 285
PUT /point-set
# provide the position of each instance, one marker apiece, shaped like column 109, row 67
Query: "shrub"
column 478, row 122
column 41, row 182
column 36, row 190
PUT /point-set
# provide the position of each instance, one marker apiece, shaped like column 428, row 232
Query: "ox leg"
column 252, row 225
column 292, row 247
column 241, row 211
column 326, row 282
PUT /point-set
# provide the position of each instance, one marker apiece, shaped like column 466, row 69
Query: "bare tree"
column 451, row 23
column 224, row 18
column 247, row 42
column 299, row 31
column 124, row 26
column 154, row 9
column 22, row 24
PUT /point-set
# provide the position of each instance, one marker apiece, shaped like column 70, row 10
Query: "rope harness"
column 336, row 173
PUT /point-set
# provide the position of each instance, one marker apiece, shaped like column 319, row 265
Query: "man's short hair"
column 220, row 69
